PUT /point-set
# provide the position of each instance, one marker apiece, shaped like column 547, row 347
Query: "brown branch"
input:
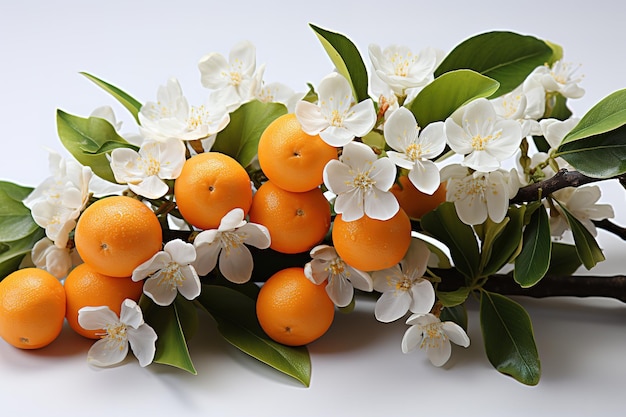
column 561, row 179
column 609, row 226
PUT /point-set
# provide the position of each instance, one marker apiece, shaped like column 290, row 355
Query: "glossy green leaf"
column 88, row 140
column 534, row 260
column 586, row 245
column 439, row 99
column 169, row 324
column 132, row 105
column 240, row 139
column 453, row 298
column 16, row 221
column 456, row 314
column 235, row 314
column 12, row 252
column 444, row 225
column 346, row 58
column 596, row 146
column 508, row 338
column 504, row 56
column 564, row 260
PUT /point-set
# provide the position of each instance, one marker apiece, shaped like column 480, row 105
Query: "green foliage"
column 501, row 241
column 444, row 225
column 132, row 105
column 564, row 260
column 89, row 140
column 346, row 58
column 508, row 337
column 171, row 324
column 240, row 139
column 534, row 260
column 453, row 298
column 235, row 314
column 439, row 99
column 18, row 231
column 586, row 245
column 456, row 314
column 596, row 146
column 504, row 56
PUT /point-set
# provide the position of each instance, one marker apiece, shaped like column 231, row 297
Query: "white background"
column 358, row 368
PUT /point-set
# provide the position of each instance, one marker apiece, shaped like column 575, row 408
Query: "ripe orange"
column 414, row 202
column 116, row 234
column 296, row 221
column 290, row 158
column 293, row 310
column 32, row 308
column 210, row 185
column 371, row 245
column 84, row 286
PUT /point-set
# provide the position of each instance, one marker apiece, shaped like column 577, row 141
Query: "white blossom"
column 170, row 272
column 414, row 149
column 119, row 332
column 58, row 261
column 144, row 171
column 361, row 181
column 403, row 286
column 341, row 278
column 560, row 78
column 228, row 244
column 428, row 332
column 582, row 203
column 336, row 118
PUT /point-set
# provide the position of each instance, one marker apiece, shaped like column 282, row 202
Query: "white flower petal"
column 256, row 235
column 360, row 280
column 423, row 297
column 158, row 261
column 340, row 291
column 381, row 205
column 337, row 136
column 143, row 343
column 401, row 129
column 361, row 118
column 130, row 314
column 392, row 305
column 439, row 355
column 161, row 292
column 206, row 256
column 232, row 220
column 236, row 264
column 211, row 66
column 456, row 333
column 181, row 252
column 425, row 177
column 310, row 118
column 96, row 318
column 412, row 338
column 190, row 287
column 107, row 352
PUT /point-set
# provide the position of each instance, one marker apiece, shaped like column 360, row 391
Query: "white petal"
column 190, row 287
column 433, row 139
column 337, row 136
column 425, row 177
column 162, row 293
column 400, row 159
column 392, row 305
column 361, row 119
column 439, row 356
column 471, row 210
column 360, row 280
column 412, row 338
column 386, row 279
column 316, row 271
column 334, row 92
column 211, row 67
column 130, row 314
column 236, row 264
column 497, row 197
column 151, row 187
column 400, row 129
column 206, row 256
column 423, row 297
column 232, row 220
column 96, row 318
column 107, row 352
column 384, row 173
column 481, row 161
column 457, row 138
column 243, row 57
column 143, row 343
column 381, row 205
column 350, row 206
column 416, row 259
column 456, row 333
column 340, row 291
column 337, row 177
column 181, row 252
column 310, row 118
column 256, row 235
column 158, row 261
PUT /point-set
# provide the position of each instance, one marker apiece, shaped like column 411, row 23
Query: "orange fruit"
column 371, row 245
column 32, row 308
column 296, row 221
column 293, row 310
column 414, row 202
column 84, row 287
column 210, row 185
column 116, row 234
column 290, row 158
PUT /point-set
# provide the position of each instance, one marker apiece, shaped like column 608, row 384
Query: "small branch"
column 609, row 226
column 561, row 179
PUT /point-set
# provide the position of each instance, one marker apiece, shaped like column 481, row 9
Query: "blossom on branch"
column 362, row 182
column 582, row 203
column 336, row 118
column 560, row 78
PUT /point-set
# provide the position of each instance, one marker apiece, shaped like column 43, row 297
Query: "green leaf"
column 596, row 146
column 453, row 298
column 439, row 99
column 132, row 105
column 506, row 57
column 346, row 58
column 564, row 259
column 12, row 252
column 444, row 225
column 533, row 261
column 456, row 314
column 171, row 345
column 16, row 221
column 235, row 314
column 508, row 337
column 88, row 140
column 507, row 243
column 240, row 139
column 586, row 245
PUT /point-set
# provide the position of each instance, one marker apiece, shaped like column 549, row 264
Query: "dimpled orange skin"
column 292, row 310
column 116, row 234
column 86, row 287
column 209, row 186
column 32, row 308
column 371, row 245
column 296, row 221
column 292, row 159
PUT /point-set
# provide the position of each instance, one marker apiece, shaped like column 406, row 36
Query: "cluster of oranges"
column 116, row 234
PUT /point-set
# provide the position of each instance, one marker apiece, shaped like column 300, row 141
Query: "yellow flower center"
column 434, row 336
